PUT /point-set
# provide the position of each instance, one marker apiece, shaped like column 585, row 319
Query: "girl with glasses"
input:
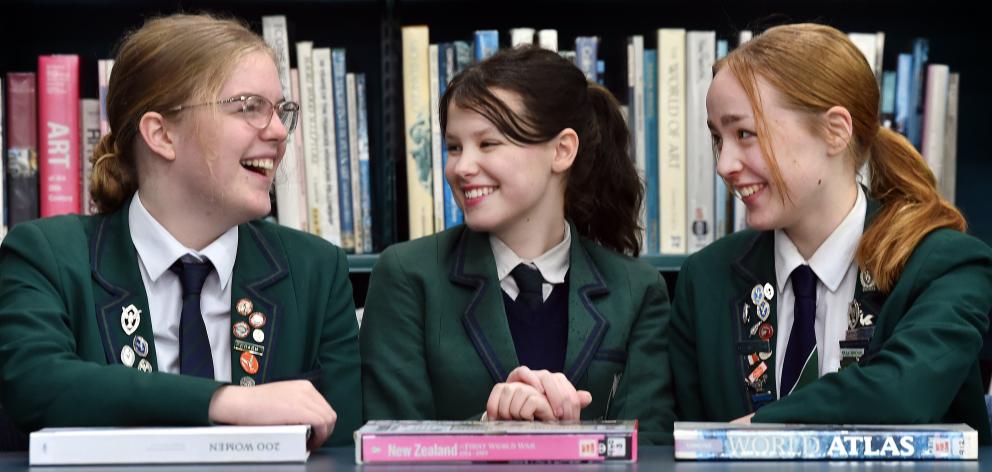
column 176, row 305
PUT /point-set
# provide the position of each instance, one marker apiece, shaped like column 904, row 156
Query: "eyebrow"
column 475, row 134
column 726, row 120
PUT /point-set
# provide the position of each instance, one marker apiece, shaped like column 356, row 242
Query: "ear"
column 566, row 147
column 155, row 133
column 840, row 129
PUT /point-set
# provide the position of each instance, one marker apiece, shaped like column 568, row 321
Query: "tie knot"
column 192, row 274
column 528, row 280
column 803, row 282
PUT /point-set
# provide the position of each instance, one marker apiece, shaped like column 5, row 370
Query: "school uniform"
column 436, row 336
column 78, row 346
column 910, row 356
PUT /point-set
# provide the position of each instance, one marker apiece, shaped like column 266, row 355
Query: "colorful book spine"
column 652, row 221
column 417, row 125
column 437, row 160
column 447, row 67
column 914, row 128
column 363, row 163
column 356, row 183
column 486, row 44
column 586, row 54
column 90, row 134
column 723, row 441
column 904, row 85
column 338, row 70
column 700, row 56
column 671, row 136
column 58, row 123
column 22, row 148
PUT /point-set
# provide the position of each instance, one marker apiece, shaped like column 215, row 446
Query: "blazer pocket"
column 312, row 376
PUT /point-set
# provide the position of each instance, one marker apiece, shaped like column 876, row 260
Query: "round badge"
column 244, row 307
column 258, row 335
column 867, row 281
column 757, row 294
column 127, row 356
column 140, row 346
column 765, row 331
column 769, row 291
column 765, row 355
column 257, row 320
column 247, row 382
column 249, row 363
column 144, row 365
column 240, row 330
column 764, row 309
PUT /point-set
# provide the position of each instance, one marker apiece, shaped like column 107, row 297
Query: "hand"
column 277, row 403
column 743, row 420
column 518, row 401
column 565, row 400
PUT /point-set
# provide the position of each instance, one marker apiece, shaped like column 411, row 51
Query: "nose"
column 465, row 165
column 276, row 130
column 728, row 161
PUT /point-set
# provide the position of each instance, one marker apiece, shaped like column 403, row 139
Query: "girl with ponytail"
column 843, row 303
column 536, row 308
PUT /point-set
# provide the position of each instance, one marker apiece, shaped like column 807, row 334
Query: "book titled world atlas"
column 724, row 441
column 496, row 441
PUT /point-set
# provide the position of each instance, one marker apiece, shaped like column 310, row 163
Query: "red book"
column 58, row 133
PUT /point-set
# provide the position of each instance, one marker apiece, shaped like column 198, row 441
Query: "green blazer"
column 65, row 281
column 921, row 365
column 435, row 339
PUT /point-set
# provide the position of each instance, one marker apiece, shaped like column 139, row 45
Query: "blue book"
column 363, row 164
column 463, row 56
column 586, row 55
column 888, row 97
column 486, row 44
column 769, row 441
column 921, row 53
column 723, row 215
column 903, row 86
column 721, row 48
column 446, row 67
column 652, row 217
column 600, row 71
column 344, row 154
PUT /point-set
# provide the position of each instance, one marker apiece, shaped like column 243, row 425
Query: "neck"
column 530, row 239
column 816, row 226
column 194, row 228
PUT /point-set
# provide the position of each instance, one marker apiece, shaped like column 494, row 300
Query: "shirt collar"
column 833, row 258
column 553, row 264
column 158, row 249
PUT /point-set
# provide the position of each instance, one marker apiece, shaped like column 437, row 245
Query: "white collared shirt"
column 157, row 251
column 553, row 264
column 836, row 273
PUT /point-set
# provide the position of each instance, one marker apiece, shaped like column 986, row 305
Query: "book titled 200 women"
column 724, row 441
column 495, row 441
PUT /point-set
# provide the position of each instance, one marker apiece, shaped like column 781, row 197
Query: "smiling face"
column 800, row 153
column 502, row 187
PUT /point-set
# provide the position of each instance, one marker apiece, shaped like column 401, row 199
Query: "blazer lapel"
column 756, row 267
column 484, row 318
column 257, row 269
column 119, row 294
column 586, row 324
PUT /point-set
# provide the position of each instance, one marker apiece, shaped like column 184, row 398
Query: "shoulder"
column 299, row 248
column 66, row 232
column 422, row 254
column 618, row 267
column 945, row 248
column 724, row 251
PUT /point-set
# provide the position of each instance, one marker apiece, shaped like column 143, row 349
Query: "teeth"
column 749, row 190
column 267, row 164
column 479, row 192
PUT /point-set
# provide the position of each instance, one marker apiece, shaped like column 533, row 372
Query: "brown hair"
column 170, row 61
column 816, row 67
column 603, row 193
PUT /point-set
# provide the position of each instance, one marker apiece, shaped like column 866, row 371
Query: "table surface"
column 650, row 458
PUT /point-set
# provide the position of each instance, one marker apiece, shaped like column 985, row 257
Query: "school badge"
column 130, row 319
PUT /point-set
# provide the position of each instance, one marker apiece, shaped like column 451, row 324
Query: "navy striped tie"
column 194, row 347
column 801, row 365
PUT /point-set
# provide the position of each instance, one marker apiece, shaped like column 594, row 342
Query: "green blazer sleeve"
column 396, row 382
column 927, row 340
column 43, row 380
column 683, row 349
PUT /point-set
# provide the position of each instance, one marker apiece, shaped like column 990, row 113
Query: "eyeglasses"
column 257, row 111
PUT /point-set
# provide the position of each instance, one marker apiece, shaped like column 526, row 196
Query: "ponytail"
column 911, row 208
column 114, row 178
column 603, row 194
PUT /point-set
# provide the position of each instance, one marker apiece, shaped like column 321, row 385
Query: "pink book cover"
column 463, row 441
column 58, row 132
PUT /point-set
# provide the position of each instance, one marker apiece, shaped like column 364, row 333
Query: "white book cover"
column 356, row 184
column 417, row 130
column 935, row 119
column 744, row 36
column 287, row 195
column 700, row 194
column 879, row 57
column 327, row 156
column 308, row 129
column 89, row 135
column 168, row 445
column 948, row 186
column 671, row 139
column 635, row 110
column 103, row 69
column 867, row 44
column 548, row 39
column 301, row 157
column 437, row 169
column 520, row 36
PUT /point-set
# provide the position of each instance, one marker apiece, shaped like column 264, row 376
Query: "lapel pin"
column 140, row 346
column 867, row 281
column 765, row 331
column 757, row 294
column 127, row 356
column 240, row 330
column 853, row 314
column 256, row 320
column 249, row 363
column 244, row 307
column 764, row 309
column 769, row 291
column 258, row 335
column 144, row 365
column 765, row 355
column 247, row 381
column 746, row 316
column 130, row 319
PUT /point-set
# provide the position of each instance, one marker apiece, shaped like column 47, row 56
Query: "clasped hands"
column 536, row 395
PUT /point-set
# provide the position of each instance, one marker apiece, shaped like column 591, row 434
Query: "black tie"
column 194, row 347
column 529, row 282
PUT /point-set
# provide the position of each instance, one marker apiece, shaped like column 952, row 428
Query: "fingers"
column 585, row 398
column 527, row 376
column 536, row 407
column 492, row 405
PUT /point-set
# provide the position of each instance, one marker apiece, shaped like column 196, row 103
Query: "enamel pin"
column 130, row 319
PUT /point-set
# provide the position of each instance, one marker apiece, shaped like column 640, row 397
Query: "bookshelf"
column 370, row 30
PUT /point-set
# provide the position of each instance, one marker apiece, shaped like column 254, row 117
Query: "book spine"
column 935, row 119
column 340, row 106
column 58, row 122
column 437, row 171
column 586, row 53
column 592, row 447
column 949, row 185
column 301, row 157
column 103, row 69
column 791, row 444
column 722, row 200
column 671, row 136
column 888, row 98
column 316, row 205
column 635, row 113
column 417, row 122
column 322, row 221
column 700, row 56
column 3, row 166
column 653, row 224
column 548, row 39
column 904, row 70
column 521, row 36
column 448, row 64
column 90, row 133
column 363, row 162
column 22, row 148
column 914, row 125
column 353, row 164
column 486, row 44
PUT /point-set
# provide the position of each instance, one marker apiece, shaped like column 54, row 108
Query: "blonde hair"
column 170, row 61
column 816, row 67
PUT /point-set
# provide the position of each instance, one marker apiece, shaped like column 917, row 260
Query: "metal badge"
column 853, row 314
column 258, row 335
column 757, row 294
column 747, row 314
column 140, row 346
column 247, row 381
column 245, row 346
column 754, row 329
column 144, row 365
column 257, row 319
column 765, row 355
column 753, row 359
column 130, row 319
column 240, row 330
column 244, row 307
column 757, row 373
column 127, row 356
column 764, row 309
column 769, row 291
column 765, row 331
column 867, row 281
column 249, row 363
